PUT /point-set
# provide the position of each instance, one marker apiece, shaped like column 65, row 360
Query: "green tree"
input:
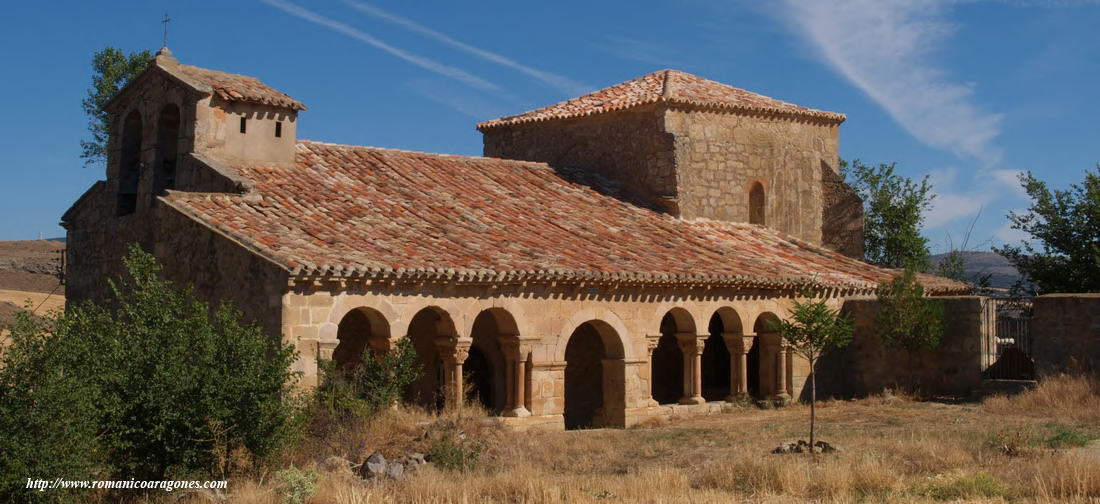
column 375, row 383
column 893, row 214
column 165, row 382
column 813, row 329
column 907, row 319
column 48, row 420
column 1063, row 254
column 111, row 71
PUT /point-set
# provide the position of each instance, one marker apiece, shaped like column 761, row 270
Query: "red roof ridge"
column 441, row 155
column 669, row 86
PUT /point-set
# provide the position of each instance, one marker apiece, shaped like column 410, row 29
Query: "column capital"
column 689, row 343
column 453, row 351
column 515, row 346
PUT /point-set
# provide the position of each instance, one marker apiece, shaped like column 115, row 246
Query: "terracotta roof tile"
column 668, row 86
column 364, row 211
column 237, row 87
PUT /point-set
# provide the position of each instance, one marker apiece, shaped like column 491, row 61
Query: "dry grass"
column 1020, row 449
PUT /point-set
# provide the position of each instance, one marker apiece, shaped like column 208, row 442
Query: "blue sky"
column 967, row 91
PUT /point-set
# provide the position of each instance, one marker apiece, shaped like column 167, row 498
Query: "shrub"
column 450, row 453
column 1066, row 437
column 375, row 383
column 167, row 385
column 48, row 422
column 906, row 318
column 297, row 485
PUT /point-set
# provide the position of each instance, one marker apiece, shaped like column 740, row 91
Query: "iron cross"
column 165, row 21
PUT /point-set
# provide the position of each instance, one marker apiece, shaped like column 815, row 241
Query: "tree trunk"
column 813, row 407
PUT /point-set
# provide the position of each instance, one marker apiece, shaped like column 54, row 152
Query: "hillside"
column 27, row 273
column 982, row 263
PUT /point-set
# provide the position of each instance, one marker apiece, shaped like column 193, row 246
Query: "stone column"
column 738, row 346
column 692, row 348
column 781, row 371
column 651, row 342
column 453, row 353
column 515, row 351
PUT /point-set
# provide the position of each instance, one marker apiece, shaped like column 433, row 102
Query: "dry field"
column 1031, row 448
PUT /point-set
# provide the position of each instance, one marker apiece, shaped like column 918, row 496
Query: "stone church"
column 612, row 258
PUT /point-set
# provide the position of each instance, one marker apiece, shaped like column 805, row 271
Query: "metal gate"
column 1013, row 341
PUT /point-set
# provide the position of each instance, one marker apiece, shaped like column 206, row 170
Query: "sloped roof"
column 236, row 87
column 669, row 86
column 371, row 212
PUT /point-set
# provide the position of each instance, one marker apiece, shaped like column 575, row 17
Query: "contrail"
column 562, row 83
column 426, row 63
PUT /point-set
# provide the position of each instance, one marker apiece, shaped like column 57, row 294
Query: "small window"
column 757, row 204
column 278, row 129
column 244, row 124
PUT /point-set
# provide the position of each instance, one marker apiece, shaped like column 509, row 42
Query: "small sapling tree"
column 906, row 319
column 812, row 329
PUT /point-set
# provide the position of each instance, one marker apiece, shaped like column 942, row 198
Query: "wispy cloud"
column 426, row 63
column 563, row 84
column 641, row 50
column 885, row 48
column 469, row 102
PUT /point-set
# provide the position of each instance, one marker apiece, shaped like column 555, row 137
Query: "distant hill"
column 982, row 263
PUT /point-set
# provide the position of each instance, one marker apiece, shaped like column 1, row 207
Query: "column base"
column 739, row 397
column 693, row 400
column 783, row 398
column 518, row 412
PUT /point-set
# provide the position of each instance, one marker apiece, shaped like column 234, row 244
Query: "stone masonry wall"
column 628, row 147
column 867, row 366
column 698, row 164
column 720, row 155
column 841, row 215
column 1065, row 333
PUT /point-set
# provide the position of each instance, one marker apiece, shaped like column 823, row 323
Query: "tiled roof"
column 371, row 212
column 669, row 86
column 235, row 87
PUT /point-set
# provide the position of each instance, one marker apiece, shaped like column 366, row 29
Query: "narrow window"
column 129, row 172
column 278, row 129
column 244, row 124
column 757, row 204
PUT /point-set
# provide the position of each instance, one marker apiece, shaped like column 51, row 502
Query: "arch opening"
column 761, row 359
column 485, row 368
column 168, row 133
column 594, row 378
column 426, row 329
column 667, row 367
column 716, row 362
column 757, row 204
column 129, row 164
column 359, row 330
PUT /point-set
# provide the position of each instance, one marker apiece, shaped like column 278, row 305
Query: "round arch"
column 426, row 329
column 613, row 333
column 731, row 320
column 359, row 328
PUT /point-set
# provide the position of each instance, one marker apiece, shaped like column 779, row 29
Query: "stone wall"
column 841, row 215
column 867, row 366
column 1065, row 333
column 720, row 155
column 699, row 164
column 629, row 147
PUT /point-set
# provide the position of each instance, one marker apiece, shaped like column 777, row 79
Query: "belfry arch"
column 129, row 163
column 168, row 135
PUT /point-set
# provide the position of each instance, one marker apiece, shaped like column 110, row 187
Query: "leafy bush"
column 48, row 422
column 162, row 382
column 451, row 453
column 298, row 485
column 906, row 318
column 375, row 383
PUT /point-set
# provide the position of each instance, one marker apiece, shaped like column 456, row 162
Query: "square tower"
column 696, row 148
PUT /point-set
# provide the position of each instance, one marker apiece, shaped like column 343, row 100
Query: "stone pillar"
column 453, row 353
column 692, row 348
column 781, row 371
column 515, row 351
column 738, row 346
column 651, row 342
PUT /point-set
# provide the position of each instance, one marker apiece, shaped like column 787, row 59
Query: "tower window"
column 278, row 129
column 757, row 204
column 244, row 125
